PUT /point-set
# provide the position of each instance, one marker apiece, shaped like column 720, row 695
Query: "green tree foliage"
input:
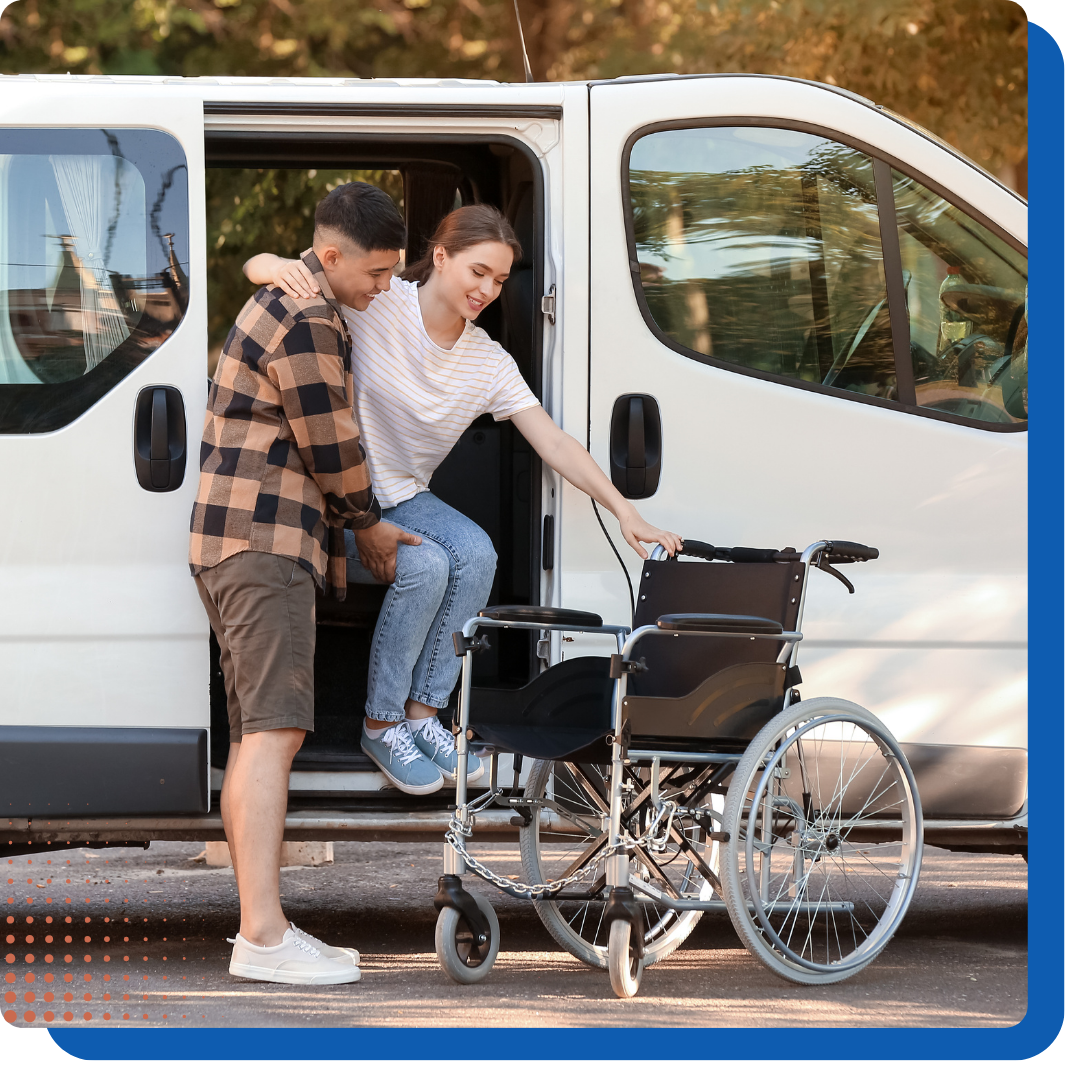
column 253, row 210
column 958, row 67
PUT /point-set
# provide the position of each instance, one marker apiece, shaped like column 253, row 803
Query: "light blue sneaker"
column 438, row 744
column 394, row 751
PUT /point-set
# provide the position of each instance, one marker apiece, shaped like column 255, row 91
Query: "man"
column 283, row 473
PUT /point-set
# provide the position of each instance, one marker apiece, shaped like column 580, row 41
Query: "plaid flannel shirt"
column 282, row 468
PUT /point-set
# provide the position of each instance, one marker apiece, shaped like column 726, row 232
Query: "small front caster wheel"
column 624, row 969
column 461, row 956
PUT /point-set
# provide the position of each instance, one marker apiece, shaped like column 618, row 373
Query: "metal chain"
column 454, row 837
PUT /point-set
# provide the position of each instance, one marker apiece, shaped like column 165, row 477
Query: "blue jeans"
column 438, row 585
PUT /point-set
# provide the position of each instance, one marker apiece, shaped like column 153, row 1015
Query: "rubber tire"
column 739, row 906
column 548, row 910
column 446, row 944
column 623, row 971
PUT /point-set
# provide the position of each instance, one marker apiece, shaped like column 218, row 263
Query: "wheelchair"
column 684, row 775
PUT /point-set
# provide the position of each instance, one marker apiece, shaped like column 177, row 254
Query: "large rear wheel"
column 825, row 843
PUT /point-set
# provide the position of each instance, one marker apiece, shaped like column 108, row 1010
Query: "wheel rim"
column 468, row 951
column 581, row 791
column 826, row 883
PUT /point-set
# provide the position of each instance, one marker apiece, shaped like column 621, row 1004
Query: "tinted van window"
column 93, row 265
column 967, row 306
column 760, row 247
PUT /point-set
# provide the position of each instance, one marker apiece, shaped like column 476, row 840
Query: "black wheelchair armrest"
column 545, row 615
column 719, row 624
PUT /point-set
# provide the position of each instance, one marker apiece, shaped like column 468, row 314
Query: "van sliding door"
column 103, row 642
column 822, row 315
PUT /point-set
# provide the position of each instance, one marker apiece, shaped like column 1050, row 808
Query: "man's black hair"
column 364, row 215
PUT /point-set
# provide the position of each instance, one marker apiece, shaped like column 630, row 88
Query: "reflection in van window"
column 93, row 265
column 967, row 305
column 760, row 247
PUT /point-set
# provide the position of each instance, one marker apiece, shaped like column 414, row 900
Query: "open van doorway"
column 261, row 192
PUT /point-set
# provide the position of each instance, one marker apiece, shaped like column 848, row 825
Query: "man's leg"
column 258, row 792
column 262, row 609
column 235, row 713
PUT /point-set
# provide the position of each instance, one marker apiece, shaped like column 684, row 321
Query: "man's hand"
column 378, row 548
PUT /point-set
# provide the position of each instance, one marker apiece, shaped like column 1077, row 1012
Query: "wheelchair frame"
column 477, row 940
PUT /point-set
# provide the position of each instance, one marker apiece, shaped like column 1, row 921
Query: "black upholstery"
column 565, row 712
column 547, row 615
column 699, row 693
column 677, row 666
column 729, row 707
column 719, row 624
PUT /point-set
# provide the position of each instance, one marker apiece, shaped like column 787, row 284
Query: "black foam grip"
column 845, row 549
column 744, row 555
column 698, row 549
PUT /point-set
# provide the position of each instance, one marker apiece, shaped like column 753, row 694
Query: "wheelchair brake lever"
column 463, row 644
column 822, row 563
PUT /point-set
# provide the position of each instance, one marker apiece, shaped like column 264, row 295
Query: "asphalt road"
column 131, row 937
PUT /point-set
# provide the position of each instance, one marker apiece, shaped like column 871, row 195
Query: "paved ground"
column 131, row 937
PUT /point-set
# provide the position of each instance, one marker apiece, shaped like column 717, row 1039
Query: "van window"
column 760, row 247
column 93, row 265
column 967, row 306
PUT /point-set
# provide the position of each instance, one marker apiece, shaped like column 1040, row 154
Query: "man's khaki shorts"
column 262, row 611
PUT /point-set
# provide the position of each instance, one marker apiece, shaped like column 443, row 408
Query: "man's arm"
column 307, row 368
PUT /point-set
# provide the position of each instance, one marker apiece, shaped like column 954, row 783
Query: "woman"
column 423, row 372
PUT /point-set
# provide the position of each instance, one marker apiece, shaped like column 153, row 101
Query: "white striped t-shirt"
column 414, row 398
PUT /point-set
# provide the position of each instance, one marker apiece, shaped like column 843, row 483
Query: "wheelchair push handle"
column 844, row 551
column 698, row 549
column 835, row 551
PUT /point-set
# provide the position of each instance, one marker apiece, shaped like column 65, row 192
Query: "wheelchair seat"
column 714, row 691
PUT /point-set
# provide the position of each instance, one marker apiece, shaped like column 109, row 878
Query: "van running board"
column 419, row 826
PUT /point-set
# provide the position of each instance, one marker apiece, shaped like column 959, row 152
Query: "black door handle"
column 160, row 438
column 635, row 449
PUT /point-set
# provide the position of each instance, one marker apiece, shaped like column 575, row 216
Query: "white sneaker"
column 351, row 955
column 293, row 961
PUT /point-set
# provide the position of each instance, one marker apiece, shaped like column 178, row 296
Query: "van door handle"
column 635, row 447
column 160, row 438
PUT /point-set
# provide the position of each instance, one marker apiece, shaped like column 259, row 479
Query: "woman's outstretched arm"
column 571, row 460
column 290, row 275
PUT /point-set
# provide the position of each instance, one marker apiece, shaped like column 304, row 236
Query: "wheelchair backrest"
column 677, row 665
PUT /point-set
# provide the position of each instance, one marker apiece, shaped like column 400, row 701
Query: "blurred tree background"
column 958, row 67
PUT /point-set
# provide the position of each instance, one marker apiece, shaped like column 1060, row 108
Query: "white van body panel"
column 934, row 639
column 100, row 624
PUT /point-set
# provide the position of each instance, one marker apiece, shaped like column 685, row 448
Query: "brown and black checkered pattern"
column 283, row 470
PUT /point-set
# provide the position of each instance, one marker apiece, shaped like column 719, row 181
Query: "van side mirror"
column 636, row 444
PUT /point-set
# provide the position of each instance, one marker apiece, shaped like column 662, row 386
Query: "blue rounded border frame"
column 1046, row 967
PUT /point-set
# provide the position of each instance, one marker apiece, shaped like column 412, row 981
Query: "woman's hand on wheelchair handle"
column 637, row 532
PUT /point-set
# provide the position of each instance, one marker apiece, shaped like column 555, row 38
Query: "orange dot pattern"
column 31, row 1007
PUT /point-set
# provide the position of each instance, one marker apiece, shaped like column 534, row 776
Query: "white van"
column 775, row 313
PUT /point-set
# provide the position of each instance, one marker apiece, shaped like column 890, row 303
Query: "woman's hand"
column 570, row 459
column 637, row 532
column 290, row 275
column 293, row 277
